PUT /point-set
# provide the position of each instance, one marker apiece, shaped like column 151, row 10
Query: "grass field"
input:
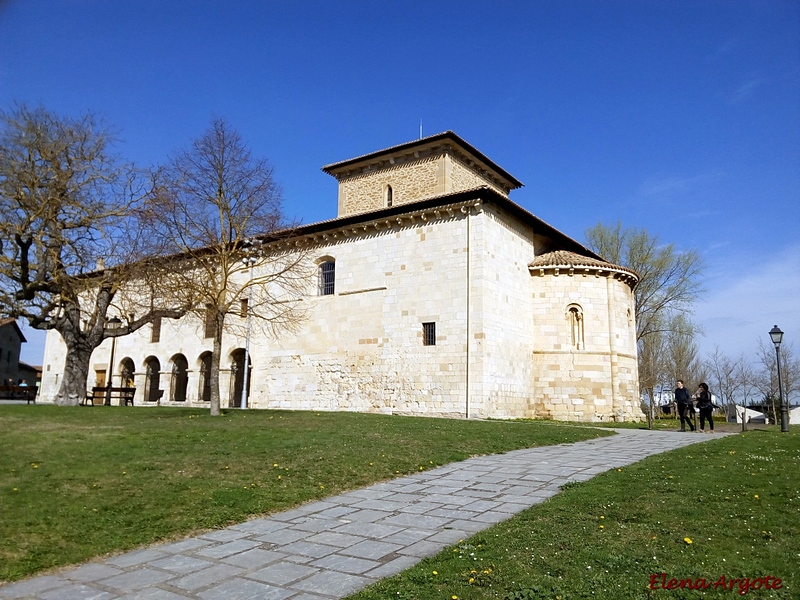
column 728, row 509
column 81, row 482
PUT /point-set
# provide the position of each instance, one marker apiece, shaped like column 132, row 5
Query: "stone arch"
column 204, row 364
column 237, row 377
column 179, row 378
column 152, row 380
column 127, row 371
column 575, row 324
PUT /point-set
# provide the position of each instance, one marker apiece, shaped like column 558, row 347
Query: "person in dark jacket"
column 705, row 407
column 685, row 407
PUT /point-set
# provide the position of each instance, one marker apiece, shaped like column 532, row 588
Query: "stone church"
column 436, row 295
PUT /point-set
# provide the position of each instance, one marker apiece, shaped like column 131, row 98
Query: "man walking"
column 685, row 407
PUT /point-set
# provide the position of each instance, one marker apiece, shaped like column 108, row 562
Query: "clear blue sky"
column 678, row 116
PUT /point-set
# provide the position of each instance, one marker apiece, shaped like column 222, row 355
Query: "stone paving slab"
column 332, row 548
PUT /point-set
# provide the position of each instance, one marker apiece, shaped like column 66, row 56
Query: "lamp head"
column 776, row 335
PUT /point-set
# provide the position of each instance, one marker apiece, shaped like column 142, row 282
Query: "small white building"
column 437, row 295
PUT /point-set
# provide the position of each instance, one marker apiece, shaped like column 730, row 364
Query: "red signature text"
column 741, row 585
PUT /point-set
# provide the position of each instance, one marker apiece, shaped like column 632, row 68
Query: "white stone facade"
column 462, row 259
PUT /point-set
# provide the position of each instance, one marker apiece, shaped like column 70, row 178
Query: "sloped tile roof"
column 564, row 259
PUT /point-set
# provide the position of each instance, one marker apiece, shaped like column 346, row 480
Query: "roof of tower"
column 566, row 260
column 446, row 140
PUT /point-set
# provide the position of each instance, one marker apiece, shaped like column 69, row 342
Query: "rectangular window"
column 155, row 334
column 429, row 334
column 211, row 322
column 243, row 308
column 327, row 278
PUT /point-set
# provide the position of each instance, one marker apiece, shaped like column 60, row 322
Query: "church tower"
column 432, row 166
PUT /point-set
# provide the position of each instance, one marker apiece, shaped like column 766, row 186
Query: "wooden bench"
column 102, row 395
column 18, row 392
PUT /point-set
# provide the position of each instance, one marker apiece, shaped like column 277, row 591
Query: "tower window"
column 388, row 195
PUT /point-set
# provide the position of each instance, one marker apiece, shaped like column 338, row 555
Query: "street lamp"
column 113, row 324
column 777, row 337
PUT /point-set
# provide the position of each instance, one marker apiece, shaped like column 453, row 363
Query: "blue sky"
column 678, row 116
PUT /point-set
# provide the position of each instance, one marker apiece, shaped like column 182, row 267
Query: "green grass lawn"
column 81, row 482
column 727, row 508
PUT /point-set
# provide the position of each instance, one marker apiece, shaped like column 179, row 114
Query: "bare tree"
column 219, row 209
column 651, row 369
column 66, row 239
column 668, row 280
column 724, row 375
column 766, row 379
column 668, row 284
column 681, row 350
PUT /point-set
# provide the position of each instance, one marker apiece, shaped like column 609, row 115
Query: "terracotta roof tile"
column 564, row 259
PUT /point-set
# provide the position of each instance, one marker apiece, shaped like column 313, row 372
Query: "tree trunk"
column 650, row 416
column 216, row 355
column 76, row 374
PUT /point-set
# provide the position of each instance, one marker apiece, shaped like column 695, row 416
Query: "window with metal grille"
column 429, row 334
column 327, row 278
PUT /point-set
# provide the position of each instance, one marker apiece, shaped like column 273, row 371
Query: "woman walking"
column 705, row 407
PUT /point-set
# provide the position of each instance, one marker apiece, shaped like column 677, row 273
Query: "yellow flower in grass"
column 755, row 496
column 687, row 540
column 436, row 572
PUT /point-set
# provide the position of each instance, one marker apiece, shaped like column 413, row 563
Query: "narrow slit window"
column 429, row 334
column 327, row 278
column 389, row 198
column 575, row 319
column 243, row 308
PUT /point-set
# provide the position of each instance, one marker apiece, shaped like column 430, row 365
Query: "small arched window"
column 388, row 195
column 575, row 323
column 327, row 278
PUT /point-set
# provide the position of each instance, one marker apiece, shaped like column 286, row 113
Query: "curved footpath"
column 334, row 547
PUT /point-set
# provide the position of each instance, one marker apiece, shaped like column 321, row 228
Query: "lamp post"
column 249, row 262
column 113, row 323
column 777, row 337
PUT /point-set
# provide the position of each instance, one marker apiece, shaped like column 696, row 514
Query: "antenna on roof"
column 420, row 129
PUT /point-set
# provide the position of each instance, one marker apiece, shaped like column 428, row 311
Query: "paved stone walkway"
column 332, row 548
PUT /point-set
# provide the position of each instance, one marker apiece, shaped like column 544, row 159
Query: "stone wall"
column 410, row 181
column 596, row 380
column 503, row 337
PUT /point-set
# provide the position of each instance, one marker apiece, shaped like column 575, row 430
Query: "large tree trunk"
column 76, row 374
column 216, row 355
